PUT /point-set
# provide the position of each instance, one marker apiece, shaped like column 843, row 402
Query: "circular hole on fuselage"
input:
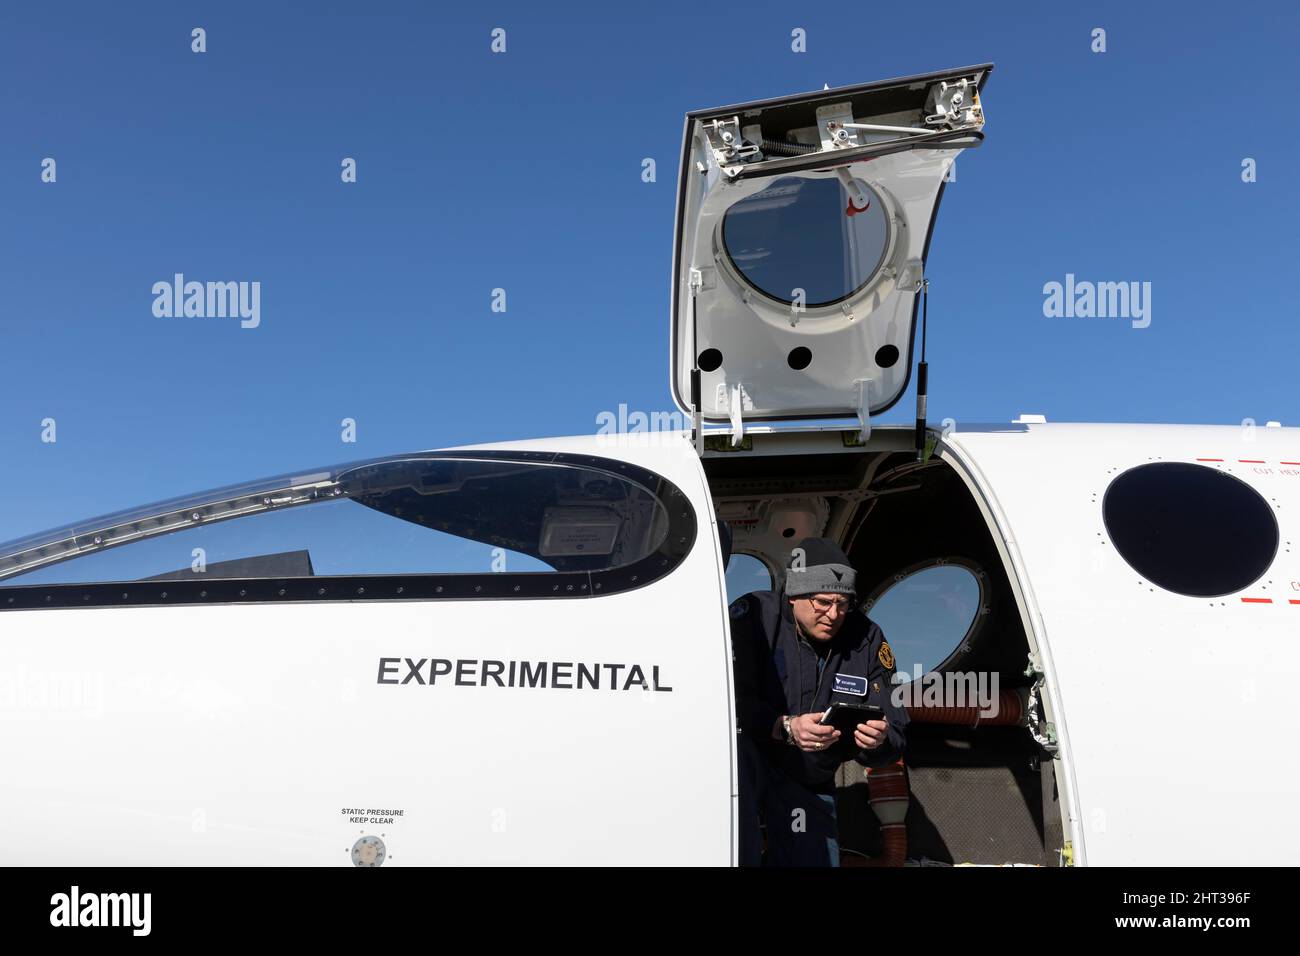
column 710, row 360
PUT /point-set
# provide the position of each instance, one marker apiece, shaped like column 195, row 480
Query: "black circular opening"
column 799, row 358
column 710, row 360
column 788, row 533
column 1190, row 529
column 886, row 355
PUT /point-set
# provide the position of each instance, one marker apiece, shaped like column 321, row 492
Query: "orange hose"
column 889, row 799
column 1010, row 712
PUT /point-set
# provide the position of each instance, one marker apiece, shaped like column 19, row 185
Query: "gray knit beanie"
column 817, row 566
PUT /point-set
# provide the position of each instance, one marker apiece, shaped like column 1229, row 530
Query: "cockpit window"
column 435, row 514
column 797, row 235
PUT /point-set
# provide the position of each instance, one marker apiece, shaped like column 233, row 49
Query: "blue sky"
column 522, row 171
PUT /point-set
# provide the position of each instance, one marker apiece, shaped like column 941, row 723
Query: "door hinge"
column 862, row 401
column 954, row 105
column 1043, row 731
column 730, row 149
column 736, row 401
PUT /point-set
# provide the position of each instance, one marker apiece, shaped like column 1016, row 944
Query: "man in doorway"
column 796, row 652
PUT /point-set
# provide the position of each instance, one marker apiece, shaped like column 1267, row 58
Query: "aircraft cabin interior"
column 970, row 789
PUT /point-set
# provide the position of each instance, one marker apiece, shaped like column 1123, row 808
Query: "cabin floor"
column 975, row 796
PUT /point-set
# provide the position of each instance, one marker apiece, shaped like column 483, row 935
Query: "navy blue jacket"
column 776, row 673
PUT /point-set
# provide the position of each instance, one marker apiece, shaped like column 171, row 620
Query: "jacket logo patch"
column 886, row 656
column 848, row 684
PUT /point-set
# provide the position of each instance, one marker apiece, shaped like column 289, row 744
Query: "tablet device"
column 846, row 717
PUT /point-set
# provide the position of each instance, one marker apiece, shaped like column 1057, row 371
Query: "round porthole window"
column 797, row 235
column 927, row 613
column 745, row 573
column 1190, row 529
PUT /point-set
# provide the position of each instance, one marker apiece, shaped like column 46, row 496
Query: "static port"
column 369, row 851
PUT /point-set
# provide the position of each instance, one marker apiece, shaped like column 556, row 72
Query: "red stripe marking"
column 1256, row 600
column 1251, row 461
column 1291, row 462
column 1209, row 459
column 1294, row 601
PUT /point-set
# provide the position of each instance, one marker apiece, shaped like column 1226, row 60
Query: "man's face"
column 819, row 624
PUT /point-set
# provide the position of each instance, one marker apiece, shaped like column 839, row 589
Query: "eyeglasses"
column 823, row 605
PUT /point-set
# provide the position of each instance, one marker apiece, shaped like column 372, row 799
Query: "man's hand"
column 810, row 735
column 870, row 735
